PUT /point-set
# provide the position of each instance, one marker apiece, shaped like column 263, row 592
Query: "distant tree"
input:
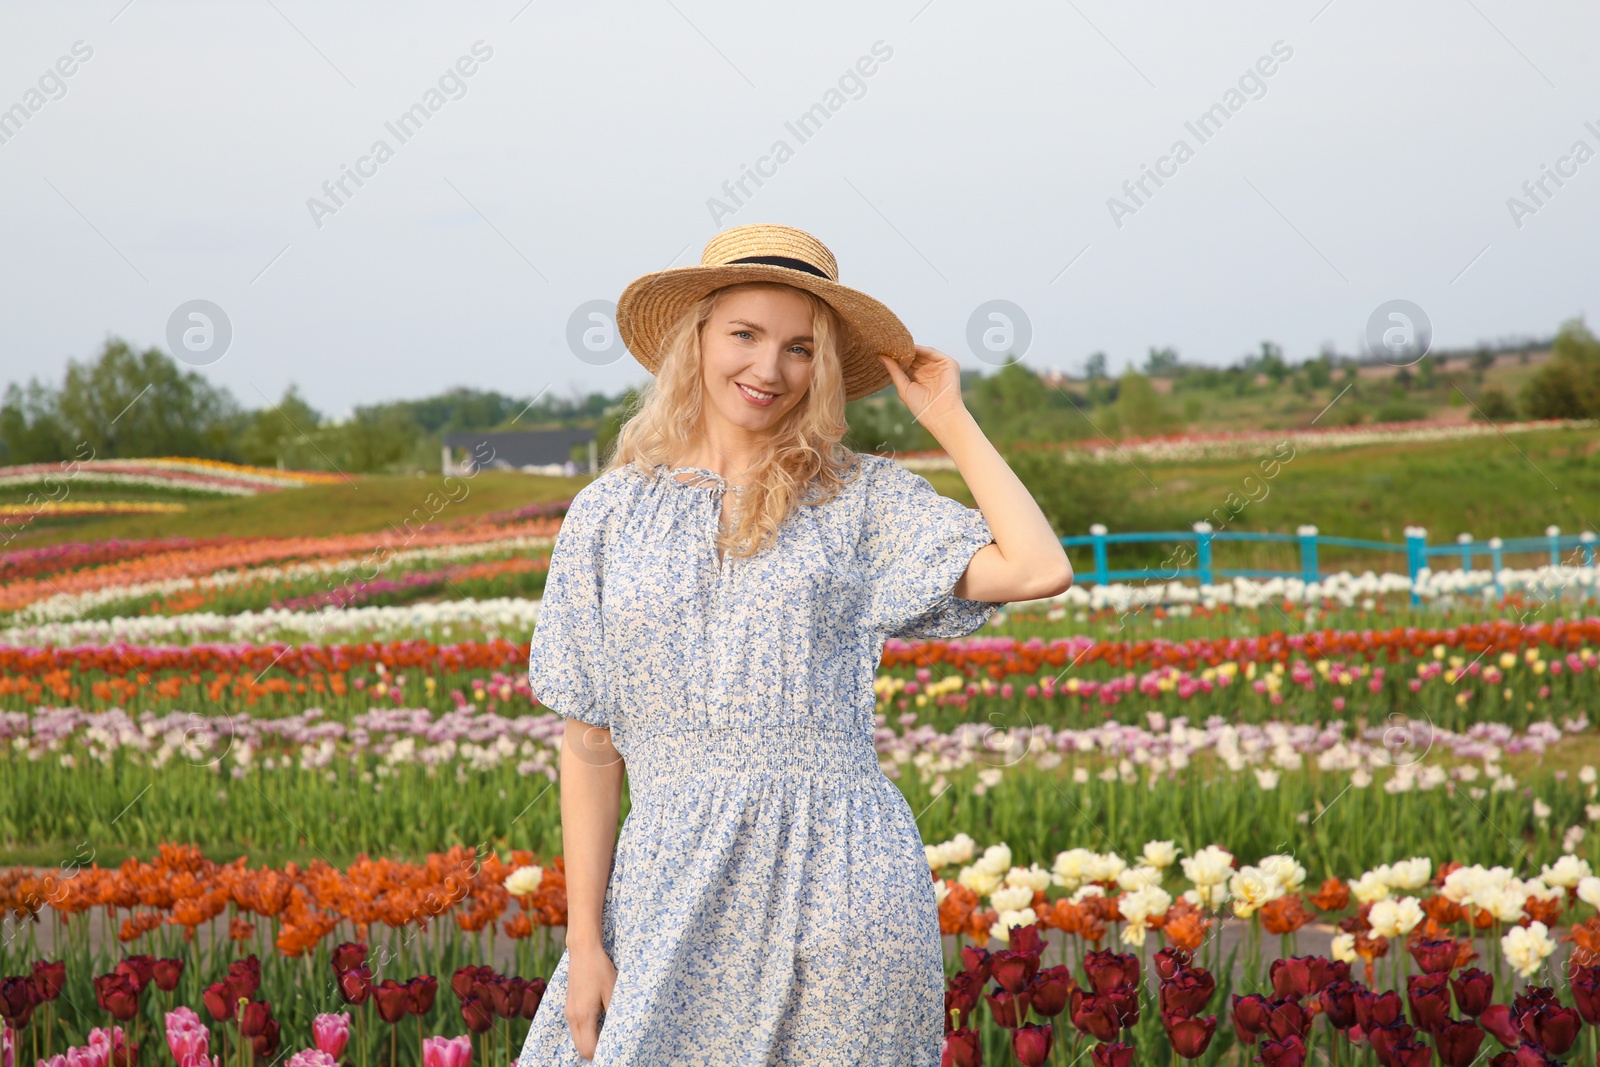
column 1482, row 360
column 1271, row 362
column 1568, row 386
column 122, row 404
column 1095, row 366
column 282, row 435
column 1319, row 371
column 1139, row 408
column 1495, row 404
column 1161, row 362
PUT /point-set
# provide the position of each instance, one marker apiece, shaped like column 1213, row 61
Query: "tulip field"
column 268, row 798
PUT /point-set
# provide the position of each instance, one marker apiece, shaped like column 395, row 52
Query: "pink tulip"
column 312, row 1057
column 447, row 1051
column 331, row 1032
column 187, row 1037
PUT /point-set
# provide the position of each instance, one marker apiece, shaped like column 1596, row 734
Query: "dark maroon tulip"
column 48, row 978
column 476, row 1014
column 1169, row 961
column 962, row 1049
column 1385, row 1039
column 1553, row 1027
column 1532, row 997
column 1028, row 939
column 166, row 974
column 1007, row 1008
column 1377, row 1009
column 1094, row 1014
column 1013, row 969
column 532, row 994
column 253, row 1018
column 1586, row 993
column 245, row 976
column 1496, row 1019
column 140, row 969
column 265, row 1044
column 1112, row 1054
column 1338, row 971
column 1338, row 999
column 1108, row 970
column 1429, row 996
column 1031, row 1043
column 1125, row 1002
column 1290, row 1052
column 1250, row 1016
column 960, row 997
column 1410, row 1054
column 220, row 1001
column 496, row 993
column 975, row 960
column 1458, row 1042
column 1287, row 1016
column 1525, row 1056
column 117, row 994
column 1291, row 977
column 462, row 981
column 392, row 999
column 348, row 955
column 1434, row 957
column 1051, row 990
column 355, row 985
column 125, row 1055
column 18, row 997
column 1190, row 1035
column 420, row 994
column 1187, row 992
column 1474, row 991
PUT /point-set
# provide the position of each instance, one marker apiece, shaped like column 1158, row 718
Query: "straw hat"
column 651, row 305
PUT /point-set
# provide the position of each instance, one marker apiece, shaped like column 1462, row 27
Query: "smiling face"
column 757, row 356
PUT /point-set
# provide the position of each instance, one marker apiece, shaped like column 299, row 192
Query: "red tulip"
column 1474, row 991
column 1435, row 957
column 348, row 955
column 962, row 1049
column 1586, row 993
column 960, row 997
column 392, row 999
column 1051, row 990
column 532, row 994
column 1496, row 1019
column 1095, row 1015
column 1552, row 1027
column 116, row 993
column 1429, row 996
column 1108, row 970
column 1112, row 1054
column 1385, row 1038
column 476, row 1014
column 462, row 981
column 1457, row 1043
column 1190, row 1036
column 219, row 1001
column 420, row 994
column 1007, row 1008
column 1250, row 1016
column 1410, row 1054
column 1288, row 1017
column 1031, row 1043
column 253, row 1018
column 1169, row 961
column 975, row 960
column 1027, row 939
column 1377, row 1009
column 48, row 978
column 1338, row 1000
column 355, row 985
column 1013, row 969
column 1290, row 1052
column 245, row 976
column 167, row 973
column 18, row 997
column 139, row 969
column 1187, row 992
column 265, row 1044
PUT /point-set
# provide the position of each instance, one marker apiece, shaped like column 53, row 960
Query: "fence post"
column 1202, row 552
column 1416, row 557
column 1554, row 533
column 1465, row 541
column 1308, row 554
column 1101, row 570
column 1494, row 562
column 1587, row 540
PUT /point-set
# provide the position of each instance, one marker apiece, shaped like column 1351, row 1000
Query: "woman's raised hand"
column 932, row 389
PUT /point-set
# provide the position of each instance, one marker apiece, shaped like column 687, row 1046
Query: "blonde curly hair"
column 805, row 462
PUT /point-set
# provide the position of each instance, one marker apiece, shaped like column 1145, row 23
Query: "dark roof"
column 520, row 448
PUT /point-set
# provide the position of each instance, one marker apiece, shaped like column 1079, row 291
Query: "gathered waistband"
column 768, row 752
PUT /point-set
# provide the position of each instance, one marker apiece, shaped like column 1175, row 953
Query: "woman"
column 768, row 900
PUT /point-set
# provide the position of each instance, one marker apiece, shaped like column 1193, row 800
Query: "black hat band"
column 784, row 261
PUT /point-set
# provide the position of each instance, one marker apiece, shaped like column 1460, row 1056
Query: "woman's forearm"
column 591, row 797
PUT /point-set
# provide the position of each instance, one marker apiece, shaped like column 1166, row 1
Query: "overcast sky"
column 976, row 162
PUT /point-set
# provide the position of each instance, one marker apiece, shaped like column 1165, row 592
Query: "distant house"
column 528, row 451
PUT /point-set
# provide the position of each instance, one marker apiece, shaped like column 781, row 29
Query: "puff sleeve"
column 915, row 545
column 566, row 664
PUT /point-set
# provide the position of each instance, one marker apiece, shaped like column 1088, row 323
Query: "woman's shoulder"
column 607, row 492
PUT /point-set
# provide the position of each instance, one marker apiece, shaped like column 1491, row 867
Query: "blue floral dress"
column 769, row 900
